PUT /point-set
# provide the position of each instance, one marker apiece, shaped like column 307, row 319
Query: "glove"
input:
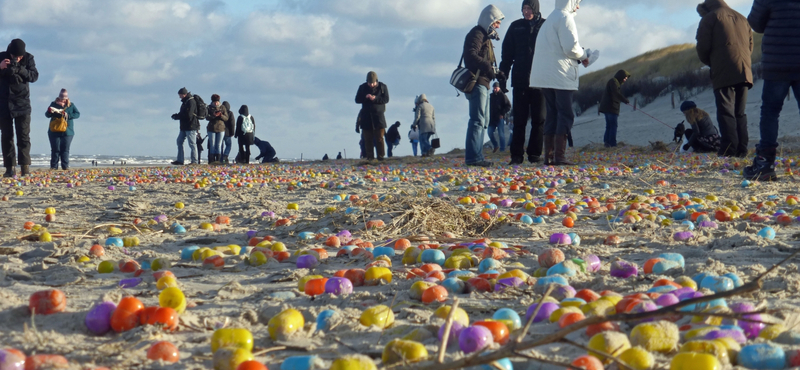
column 686, row 147
column 358, row 129
column 175, row 116
column 503, row 86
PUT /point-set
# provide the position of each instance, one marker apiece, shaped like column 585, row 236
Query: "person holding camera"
column 373, row 96
column 217, row 116
column 60, row 141
column 230, row 131
column 17, row 71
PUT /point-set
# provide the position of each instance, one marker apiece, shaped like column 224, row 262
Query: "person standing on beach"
column 230, row 131
column 373, row 96
column 217, row 116
column 392, row 138
column 518, row 50
column 479, row 59
column 245, row 133
column 413, row 137
column 61, row 141
column 609, row 105
column 558, row 55
column 17, row 71
column 425, row 121
column 498, row 108
column 725, row 43
column 189, row 124
column 779, row 21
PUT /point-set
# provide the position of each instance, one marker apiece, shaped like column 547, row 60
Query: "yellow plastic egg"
column 380, row 316
column 610, row 342
column 399, row 350
column 354, row 362
column 694, row 361
column 301, row 284
column 415, row 292
column 286, row 323
column 563, row 311
column 232, row 337
column 638, row 358
column 229, row 358
column 174, row 298
column 686, row 282
column 515, row 273
column 460, row 316
column 710, row 347
column 771, row 332
column 293, row 206
column 50, row 211
column 207, row 226
column 278, row 247
column 179, row 205
column 659, row 336
column 375, row 275
column 166, row 282
column 45, row 237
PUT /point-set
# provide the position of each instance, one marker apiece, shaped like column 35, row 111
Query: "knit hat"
column 183, row 91
column 687, row 105
column 372, row 77
column 63, row 94
column 496, row 84
column 16, row 47
column 243, row 110
column 534, row 4
column 214, row 97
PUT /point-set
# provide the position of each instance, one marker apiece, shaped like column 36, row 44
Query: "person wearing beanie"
column 17, row 71
column 703, row 136
column 392, row 138
column 498, row 108
column 245, row 134
column 425, row 121
column 478, row 53
column 217, row 116
column 609, row 105
column 517, row 59
column 371, row 123
column 725, row 43
column 230, row 128
column 189, row 124
column 60, row 141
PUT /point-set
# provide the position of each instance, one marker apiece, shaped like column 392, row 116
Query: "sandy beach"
column 422, row 200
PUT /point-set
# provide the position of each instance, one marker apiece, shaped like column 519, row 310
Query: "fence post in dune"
column 635, row 103
column 345, row 153
column 673, row 100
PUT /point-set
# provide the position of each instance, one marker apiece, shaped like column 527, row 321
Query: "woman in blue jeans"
column 61, row 141
column 425, row 121
column 217, row 116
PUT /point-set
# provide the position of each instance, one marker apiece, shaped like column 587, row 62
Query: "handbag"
column 58, row 124
column 463, row 79
column 435, row 144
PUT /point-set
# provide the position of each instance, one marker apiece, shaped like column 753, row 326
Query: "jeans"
column 22, row 126
column 528, row 103
column 414, row 146
column 226, row 146
column 501, row 135
column 732, row 118
column 59, row 149
column 772, row 99
column 478, row 121
column 610, row 137
column 191, row 137
column 560, row 115
column 425, row 142
column 214, row 142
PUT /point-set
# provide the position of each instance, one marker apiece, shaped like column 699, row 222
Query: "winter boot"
column 10, row 172
column 534, row 158
column 763, row 168
column 549, row 144
column 225, row 160
column 26, row 170
column 560, row 151
column 516, row 161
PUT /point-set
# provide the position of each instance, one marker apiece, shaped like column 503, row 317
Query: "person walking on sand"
column 413, row 138
column 479, row 59
column 17, row 71
column 779, row 21
column 499, row 106
column 609, row 105
column 230, row 131
column 60, row 141
column 245, row 134
column 725, row 43
column 392, row 138
column 703, row 137
column 425, row 121
column 189, row 124
column 518, row 50
column 373, row 97
column 558, row 55
column 217, row 116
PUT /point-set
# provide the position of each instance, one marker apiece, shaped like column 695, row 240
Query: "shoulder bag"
column 463, row 79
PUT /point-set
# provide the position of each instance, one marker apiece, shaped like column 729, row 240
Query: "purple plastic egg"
column 560, row 239
column 667, row 300
column 11, row 361
column 98, row 320
column 593, row 263
column 624, row 269
column 562, row 292
column 682, row 236
column 751, row 329
column 709, row 224
column 455, row 331
column 474, row 338
column 251, row 234
column 678, row 292
column 130, row 283
column 502, row 284
column 737, row 335
column 307, row 261
column 506, row 203
column 689, row 295
column 111, row 187
column 431, row 280
column 543, row 314
column 644, row 306
column 338, row 286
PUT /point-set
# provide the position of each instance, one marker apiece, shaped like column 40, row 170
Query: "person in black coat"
column 498, row 107
column 392, row 137
column 609, row 105
column 230, row 131
column 373, row 96
column 517, row 58
column 17, row 71
column 245, row 133
column 189, row 124
column 267, row 152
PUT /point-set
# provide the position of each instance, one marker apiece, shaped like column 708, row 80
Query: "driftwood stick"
column 447, row 326
column 535, row 312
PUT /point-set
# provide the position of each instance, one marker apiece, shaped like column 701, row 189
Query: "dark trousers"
column 59, row 149
column 244, row 152
column 732, row 119
column 610, row 137
column 560, row 115
column 772, row 97
column 22, row 126
column 528, row 103
column 373, row 139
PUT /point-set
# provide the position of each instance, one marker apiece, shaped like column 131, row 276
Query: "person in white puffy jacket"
column 555, row 71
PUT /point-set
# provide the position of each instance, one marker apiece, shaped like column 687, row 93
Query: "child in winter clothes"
column 267, row 152
column 245, row 133
column 703, row 136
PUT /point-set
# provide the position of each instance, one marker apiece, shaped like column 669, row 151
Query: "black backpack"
column 201, row 109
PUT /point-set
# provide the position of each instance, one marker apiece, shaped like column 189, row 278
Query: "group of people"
column 221, row 128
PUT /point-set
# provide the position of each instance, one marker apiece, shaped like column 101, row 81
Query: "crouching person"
column 703, row 136
column 266, row 151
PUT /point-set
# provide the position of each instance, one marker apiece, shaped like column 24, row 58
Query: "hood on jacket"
column 489, row 15
column 243, row 110
column 709, row 6
column 621, row 74
column 227, row 105
column 257, row 141
column 534, row 4
column 422, row 98
column 568, row 6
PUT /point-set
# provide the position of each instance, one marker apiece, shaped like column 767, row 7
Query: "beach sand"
column 242, row 296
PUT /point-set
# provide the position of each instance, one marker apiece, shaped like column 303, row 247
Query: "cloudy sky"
column 296, row 63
